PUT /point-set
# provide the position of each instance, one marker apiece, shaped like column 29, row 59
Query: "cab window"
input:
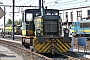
column 28, row 17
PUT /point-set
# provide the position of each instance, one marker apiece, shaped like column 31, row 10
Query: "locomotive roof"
column 37, row 10
column 83, row 21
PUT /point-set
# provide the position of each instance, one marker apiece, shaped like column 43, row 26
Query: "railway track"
column 67, row 56
column 28, row 55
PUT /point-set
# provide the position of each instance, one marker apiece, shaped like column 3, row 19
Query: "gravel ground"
column 82, row 47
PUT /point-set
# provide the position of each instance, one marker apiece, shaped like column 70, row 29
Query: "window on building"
column 88, row 12
column 71, row 16
column 66, row 16
column 60, row 14
column 79, row 15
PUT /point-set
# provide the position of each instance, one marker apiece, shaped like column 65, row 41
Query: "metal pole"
column 42, row 9
column 4, row 23
column 40, row 6
column 13, row 23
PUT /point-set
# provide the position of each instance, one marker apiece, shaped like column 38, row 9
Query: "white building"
column 74, row 14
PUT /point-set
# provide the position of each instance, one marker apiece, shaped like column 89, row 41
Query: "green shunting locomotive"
column 42, row 34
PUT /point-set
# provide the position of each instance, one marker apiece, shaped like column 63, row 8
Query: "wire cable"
column 27, row 2
column 68, row 3
column 48, row 3
column 59, row 0
column 18, row 0
column 33, row 2
column 74, row 3
column 8, row 2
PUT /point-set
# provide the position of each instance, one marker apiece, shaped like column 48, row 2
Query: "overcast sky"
column 55, row 4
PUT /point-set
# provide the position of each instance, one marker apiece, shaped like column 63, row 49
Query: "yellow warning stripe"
column 47, row 49
column 44, row 48
column 40, row 46
column 58, row 49
column 36, row 46
column 62, row 44
column 35, row 41
column 61, row 47
column 67, row 45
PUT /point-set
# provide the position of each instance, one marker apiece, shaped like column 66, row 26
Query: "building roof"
column 75, row 8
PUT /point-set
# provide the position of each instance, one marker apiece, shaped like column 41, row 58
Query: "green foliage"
column 9, row 21
column 16, row 22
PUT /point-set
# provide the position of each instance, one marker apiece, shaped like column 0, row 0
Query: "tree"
column 20, row 22
column 17, row 22
column 9, row 21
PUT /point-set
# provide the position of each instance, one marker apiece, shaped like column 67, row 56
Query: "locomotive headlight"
column 67, row 31
column 38, row 31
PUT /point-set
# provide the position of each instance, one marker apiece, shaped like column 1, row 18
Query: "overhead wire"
column 18, row 0
column 68, row 3
column 59, row 0
column 7, row 1
column 49, row 3
column 10, row 2
column 27, row 2
column 33, row 2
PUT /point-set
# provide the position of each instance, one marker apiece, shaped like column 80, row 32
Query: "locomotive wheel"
column 53, row 51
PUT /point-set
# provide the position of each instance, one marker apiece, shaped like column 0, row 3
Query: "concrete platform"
column 16, row 41
column 7, row 54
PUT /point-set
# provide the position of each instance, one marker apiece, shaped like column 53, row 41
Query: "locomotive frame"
column 43, row 33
